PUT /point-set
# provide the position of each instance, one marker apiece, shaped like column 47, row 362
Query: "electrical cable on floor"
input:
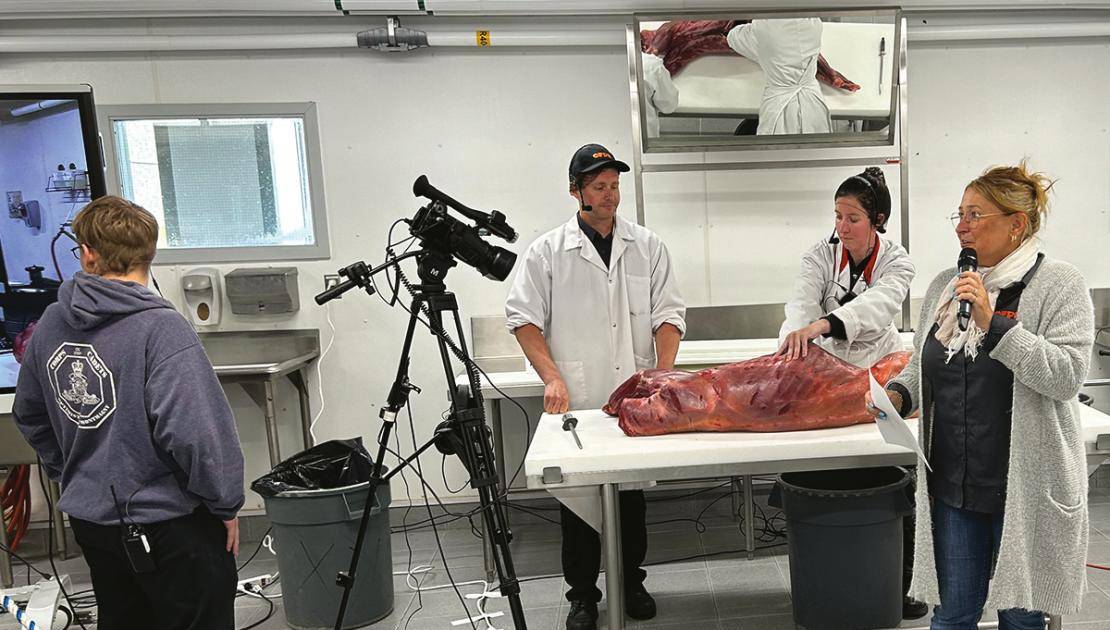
column 256, row 550
column 50, row 538
column 269, row 613
column 699, row 556
column 31, row 567
column 428, row 506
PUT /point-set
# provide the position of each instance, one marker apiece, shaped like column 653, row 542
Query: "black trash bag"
column 332, row 464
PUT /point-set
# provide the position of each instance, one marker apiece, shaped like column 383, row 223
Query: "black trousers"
column 192, row 587
column 582, row 549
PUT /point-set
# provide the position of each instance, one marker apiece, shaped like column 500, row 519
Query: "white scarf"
column 1009, row 270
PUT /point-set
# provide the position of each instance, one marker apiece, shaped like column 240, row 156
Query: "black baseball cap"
column 593, row 157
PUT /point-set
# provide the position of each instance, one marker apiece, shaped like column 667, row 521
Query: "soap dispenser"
column 201, row 287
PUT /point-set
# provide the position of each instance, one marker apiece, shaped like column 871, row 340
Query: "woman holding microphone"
column 1002, row 518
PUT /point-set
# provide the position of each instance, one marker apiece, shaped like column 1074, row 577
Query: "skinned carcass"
column 768, row 393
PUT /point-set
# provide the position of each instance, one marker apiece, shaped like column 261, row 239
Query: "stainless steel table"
column 257, row 360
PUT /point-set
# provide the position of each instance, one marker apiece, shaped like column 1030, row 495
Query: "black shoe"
column 583, row 616
column 638, row 604
column 913, row 609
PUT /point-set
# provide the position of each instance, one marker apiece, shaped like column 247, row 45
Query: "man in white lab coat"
column 594, row 301
column 786, row 50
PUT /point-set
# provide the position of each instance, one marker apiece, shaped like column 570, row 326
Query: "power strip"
column 255, row 584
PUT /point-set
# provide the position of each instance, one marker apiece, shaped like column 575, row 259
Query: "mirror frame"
column 748, row 143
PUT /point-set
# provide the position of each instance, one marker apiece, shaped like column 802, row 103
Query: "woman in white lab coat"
column 786, row 50
column 852, row 285
column 850, row 289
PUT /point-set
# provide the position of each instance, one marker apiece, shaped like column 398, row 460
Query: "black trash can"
column 844, row 532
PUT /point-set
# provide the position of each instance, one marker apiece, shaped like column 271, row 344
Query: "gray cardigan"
column 1042, row 556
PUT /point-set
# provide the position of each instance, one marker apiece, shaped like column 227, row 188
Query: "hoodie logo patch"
column 84, row 388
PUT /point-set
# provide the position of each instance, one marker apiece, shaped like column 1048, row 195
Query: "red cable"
column 15, row 499
column 1098, row 566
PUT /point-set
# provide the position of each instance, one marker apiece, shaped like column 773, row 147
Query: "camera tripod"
column 464, row 433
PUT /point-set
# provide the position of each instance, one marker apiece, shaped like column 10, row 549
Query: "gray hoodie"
column 116, row 390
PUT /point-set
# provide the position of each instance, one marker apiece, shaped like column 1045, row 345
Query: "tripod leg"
column 398, row 396
column 475, row 449
column 488, row 559
column 614, row 582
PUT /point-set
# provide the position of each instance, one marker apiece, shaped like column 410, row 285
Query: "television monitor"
column 50, row 167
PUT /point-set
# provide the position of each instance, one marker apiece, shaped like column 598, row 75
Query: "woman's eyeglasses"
column 972, row 217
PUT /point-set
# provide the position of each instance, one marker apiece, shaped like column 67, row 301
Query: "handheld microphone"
column 968, row 261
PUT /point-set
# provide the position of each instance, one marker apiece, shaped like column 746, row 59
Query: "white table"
column 691, row 354
column 588, row 480
column 731, row 85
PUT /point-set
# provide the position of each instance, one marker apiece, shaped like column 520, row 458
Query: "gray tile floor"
column 723, row 591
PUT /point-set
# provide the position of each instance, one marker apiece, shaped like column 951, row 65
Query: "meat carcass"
column 769, row 393
column 682, row 41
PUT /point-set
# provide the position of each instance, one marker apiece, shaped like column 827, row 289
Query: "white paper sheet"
column 891, row 424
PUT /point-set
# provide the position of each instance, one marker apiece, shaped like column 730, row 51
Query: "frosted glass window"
column 226, row 182
column 218, row 182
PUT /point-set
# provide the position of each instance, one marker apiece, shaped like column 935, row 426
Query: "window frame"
column 321, row 250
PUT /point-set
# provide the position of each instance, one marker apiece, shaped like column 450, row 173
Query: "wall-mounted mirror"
column 766, row 80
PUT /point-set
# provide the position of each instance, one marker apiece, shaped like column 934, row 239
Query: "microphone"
column 582, row 198
column 833, row 238
column 968, row 261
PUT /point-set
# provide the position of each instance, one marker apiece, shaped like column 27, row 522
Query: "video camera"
column 440, row 232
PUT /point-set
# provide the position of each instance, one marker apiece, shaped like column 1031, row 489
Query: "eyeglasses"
column 972, row 217
column 76, row 251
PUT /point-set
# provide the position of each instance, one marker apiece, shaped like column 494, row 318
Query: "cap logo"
column 602, row 154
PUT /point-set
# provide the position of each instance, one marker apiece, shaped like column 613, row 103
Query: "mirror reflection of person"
column 660, row 94
column 787, row 51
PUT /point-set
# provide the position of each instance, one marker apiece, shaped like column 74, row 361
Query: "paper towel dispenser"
column 262, row 291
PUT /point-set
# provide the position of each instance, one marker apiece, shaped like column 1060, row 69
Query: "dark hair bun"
column 875, row 174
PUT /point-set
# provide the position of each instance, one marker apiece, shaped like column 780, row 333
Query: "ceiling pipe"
column 498, row 37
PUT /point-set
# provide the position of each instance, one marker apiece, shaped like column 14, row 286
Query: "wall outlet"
column 330, row 280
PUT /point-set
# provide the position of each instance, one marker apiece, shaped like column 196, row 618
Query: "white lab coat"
column 786, row 50
column 660, row 92
column 869, row 318
column 599, row 323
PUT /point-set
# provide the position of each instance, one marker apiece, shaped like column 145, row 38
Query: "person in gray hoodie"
column 121, row 403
